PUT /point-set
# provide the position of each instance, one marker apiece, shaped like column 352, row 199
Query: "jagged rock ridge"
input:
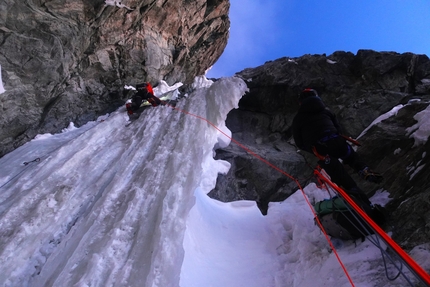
column 358, row 88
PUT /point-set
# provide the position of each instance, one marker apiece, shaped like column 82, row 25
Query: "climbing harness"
column 325, row 158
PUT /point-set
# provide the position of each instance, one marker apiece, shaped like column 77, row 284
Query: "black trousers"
column 337, row 148
column 137, row 101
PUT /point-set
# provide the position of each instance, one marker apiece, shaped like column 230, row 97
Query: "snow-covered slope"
column 115, row 203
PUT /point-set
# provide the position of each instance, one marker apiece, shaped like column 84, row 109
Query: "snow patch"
column 127, row 87
column 201, row 82
column 42, row 136
column 420, row 131
column 2, row 90
column 117, row 4
column 379, row 119
column 381, row 197
column 163, row 88
column 71, row 127
column 416, row 171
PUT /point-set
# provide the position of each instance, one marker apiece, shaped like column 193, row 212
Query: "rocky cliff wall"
column 358, row 88
column 67, row 60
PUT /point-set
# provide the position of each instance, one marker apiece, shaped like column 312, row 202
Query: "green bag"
column 340, row 222
column 327, row 206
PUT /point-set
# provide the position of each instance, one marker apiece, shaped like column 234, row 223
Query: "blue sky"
column 264, row 30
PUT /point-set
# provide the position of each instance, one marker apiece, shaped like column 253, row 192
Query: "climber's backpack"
column 145, row 87
column 342, row 222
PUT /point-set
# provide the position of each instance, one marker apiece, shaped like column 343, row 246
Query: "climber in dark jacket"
column 144, row 92
column 316, row 130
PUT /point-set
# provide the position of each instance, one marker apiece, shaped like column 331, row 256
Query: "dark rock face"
column 68, row 61
column 358, row 88
column 405, row 164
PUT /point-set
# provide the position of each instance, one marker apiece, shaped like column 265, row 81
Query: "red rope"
column 240, row 145
column 327, row 237
column 284, row 173
column 421, row 273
